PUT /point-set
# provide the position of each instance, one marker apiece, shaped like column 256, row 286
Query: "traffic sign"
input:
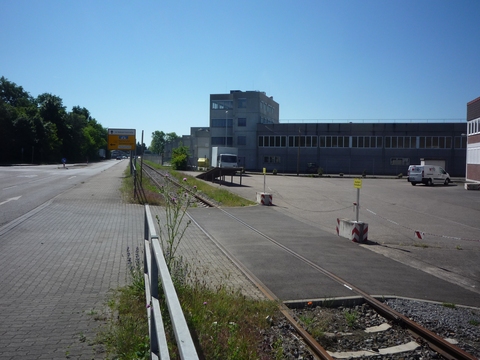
column 357, row 183
column 121, row 139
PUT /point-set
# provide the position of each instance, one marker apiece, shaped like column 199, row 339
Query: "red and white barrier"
column 264, row 198
column 419, row 234
column 355, row 231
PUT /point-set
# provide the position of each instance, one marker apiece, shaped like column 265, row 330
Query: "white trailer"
column 224, row 157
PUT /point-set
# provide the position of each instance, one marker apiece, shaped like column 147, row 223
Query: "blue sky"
column 152, row 65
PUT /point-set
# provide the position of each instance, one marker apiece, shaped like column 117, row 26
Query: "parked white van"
column 428, row 175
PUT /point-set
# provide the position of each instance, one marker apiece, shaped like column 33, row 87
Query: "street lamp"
column 226, row 127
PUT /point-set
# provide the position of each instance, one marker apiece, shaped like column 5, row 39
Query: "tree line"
column 40, row 130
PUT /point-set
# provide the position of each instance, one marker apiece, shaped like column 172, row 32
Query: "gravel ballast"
column 343, row 335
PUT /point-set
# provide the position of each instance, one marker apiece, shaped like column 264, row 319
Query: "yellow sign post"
column 357, row 184
column 121, row 139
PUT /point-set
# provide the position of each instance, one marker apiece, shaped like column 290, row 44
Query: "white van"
column 428, row 175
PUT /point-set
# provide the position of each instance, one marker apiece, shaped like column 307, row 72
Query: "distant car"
column 312, row 168
column 119, row 157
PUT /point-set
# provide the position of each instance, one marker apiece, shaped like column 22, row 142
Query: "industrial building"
column 473, row 137
column 249, row 121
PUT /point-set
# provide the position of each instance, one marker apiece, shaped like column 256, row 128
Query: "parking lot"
column 432, row 228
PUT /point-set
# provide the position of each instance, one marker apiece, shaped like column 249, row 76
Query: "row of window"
column 222, row 123
column 228, row 104
column 222, row 105
column 388, row 142
column 393, row 161
column 473, row 155
column 474, row 127
column 266, row 108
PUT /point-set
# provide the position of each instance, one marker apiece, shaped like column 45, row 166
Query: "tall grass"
column 224, row 323
column 220, row 196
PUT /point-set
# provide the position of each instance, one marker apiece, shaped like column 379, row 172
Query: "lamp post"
column 298, row 153
column 226, row 127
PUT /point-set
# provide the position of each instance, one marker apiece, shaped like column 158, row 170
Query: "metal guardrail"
column 155, row 272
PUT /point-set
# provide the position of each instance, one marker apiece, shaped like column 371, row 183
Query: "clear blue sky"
column 151, row 65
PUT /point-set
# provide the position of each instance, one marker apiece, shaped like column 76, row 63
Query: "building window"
column 242, row 103
column 222, row 104
column 460, row 142
column 241, row 140
column 435, row 142
column 218, row 140
column 272, row 141
column 242, row 122
column 474, row 126
column 399, row 161
column 305, row 141
column 220, row 123
column 367, row 142
column 334, row 141
column 271, row 159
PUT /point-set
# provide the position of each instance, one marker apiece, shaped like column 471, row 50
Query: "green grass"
column 449, row 305
column 220, row 196
column 351, row 316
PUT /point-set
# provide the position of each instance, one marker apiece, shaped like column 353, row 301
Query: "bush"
column 341, row 174
column 364, row 174
column 274, row 172
column 400, row 175
column 320, row 171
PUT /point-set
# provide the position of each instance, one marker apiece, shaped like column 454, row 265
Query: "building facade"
column 234, row 118
column 249, row 121
column 473, row 145
column 358, row 148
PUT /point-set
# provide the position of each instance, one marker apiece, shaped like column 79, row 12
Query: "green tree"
column 17, row 112
column 169, row 137
column 180, row 157
column 158, row 142
column 52, row 111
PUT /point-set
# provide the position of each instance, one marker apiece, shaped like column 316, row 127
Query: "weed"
column 225, row 324
column 421, row 245
column 474, row 322
column 351, row 316
column 177, row 201
column 459, row 247
column 449, row 305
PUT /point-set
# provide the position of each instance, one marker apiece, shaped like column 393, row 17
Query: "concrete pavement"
column 59, row 262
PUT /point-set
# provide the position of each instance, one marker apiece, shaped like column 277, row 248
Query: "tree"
column 17, row 112
column 158, row 142
column 41, row 130
column 180, row 157
column 171, row 137
column 52, row 111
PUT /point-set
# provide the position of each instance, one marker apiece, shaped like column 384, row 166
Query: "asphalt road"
column 447, row 217
column 24, row 188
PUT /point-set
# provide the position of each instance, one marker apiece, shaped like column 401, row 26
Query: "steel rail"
column 176, row 183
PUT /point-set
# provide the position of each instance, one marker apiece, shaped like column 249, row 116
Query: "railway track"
column 161, row 178
column 396, row 321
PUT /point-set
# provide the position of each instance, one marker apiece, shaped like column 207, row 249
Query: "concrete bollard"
column 355, row 231
column 264, row 198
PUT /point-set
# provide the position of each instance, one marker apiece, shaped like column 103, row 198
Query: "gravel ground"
column 343, row 330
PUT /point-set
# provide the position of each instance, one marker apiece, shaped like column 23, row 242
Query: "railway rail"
column 443, row 347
